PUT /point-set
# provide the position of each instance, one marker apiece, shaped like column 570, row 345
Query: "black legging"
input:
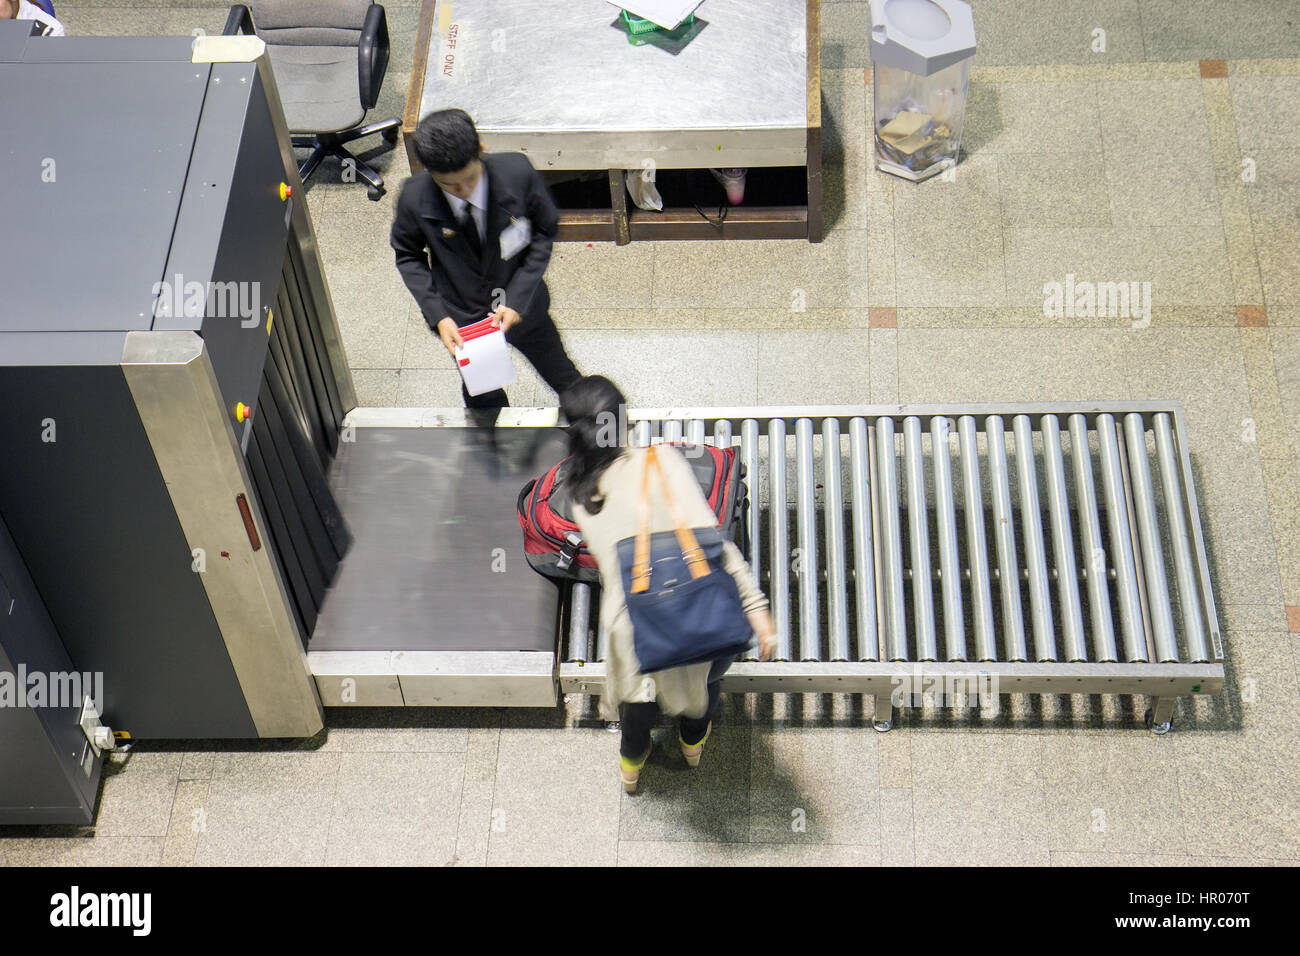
column 639, row 719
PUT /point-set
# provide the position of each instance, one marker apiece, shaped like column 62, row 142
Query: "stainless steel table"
column 565, row 83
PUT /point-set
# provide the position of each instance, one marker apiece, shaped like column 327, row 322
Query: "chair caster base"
column 882, row 726
column 390, row 135
column 374, row 194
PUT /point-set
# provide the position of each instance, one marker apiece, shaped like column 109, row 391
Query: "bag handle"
column 686, row 539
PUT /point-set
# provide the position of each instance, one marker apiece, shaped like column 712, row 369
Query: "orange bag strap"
column 641, row 557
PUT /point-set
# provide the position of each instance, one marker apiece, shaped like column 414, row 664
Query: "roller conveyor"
column 922, row 607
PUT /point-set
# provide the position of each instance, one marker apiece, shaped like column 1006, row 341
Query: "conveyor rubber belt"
column 437, row 564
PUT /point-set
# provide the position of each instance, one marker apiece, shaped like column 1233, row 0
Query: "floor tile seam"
column 171, row 812
column 911, row 795
column 1225, row 196
column 1002, row 232
column 94, row 829
column 1273, row 520
column 334, row 803
column 1122, row 71
column 460, row 801
column 496, row 777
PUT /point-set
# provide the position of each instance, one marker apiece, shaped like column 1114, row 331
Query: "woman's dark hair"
column 595, row 410
column 446, row 141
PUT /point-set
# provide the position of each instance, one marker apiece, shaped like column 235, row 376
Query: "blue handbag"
column 684, row 606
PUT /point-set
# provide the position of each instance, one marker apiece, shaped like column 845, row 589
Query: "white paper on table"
column 484, row 363
column 665, row 13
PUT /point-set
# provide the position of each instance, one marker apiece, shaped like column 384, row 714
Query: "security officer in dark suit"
column 473, row 236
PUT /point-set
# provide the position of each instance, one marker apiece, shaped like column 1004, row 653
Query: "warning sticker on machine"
column 449, row 52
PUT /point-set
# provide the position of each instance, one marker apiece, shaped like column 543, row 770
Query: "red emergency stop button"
column 285, row 191
column 242, row 412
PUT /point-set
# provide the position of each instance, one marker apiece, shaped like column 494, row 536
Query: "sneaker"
column 733, row 180
column 629, row 769
column 692, row 751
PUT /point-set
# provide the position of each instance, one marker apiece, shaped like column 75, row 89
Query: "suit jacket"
column 434, row 256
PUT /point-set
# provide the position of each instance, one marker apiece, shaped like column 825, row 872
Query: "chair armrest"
column 239, row 21
column 372, row 55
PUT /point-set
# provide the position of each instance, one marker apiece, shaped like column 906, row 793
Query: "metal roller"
column 1112, row 483
column 695, row 431
column 986, row 648
column 864, row 564
column 877, row 537
column 672, row 430
column 1131, row 514
column 954, row 622
column 778, row 523
column 722, row 433
column 602, row 640
column 837, row 588
column 892, row 544
column 579, row 621
column 1073, row 645
column 1004, row 535
column 752, row 514
column 641, row 433
column 919, row 530
column 806, row 516
column 1094, row 555
column 1188, row 592
column 1162, row 615
column 1040, row 595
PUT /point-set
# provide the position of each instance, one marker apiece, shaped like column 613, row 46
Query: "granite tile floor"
column 1152, row 159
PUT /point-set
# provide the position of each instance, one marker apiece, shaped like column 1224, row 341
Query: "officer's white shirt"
column 478, row 201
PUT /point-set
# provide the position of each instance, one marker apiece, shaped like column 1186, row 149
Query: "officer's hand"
column 506, row 318
column 450, row 335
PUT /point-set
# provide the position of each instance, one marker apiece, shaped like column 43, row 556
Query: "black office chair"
column 329, row 58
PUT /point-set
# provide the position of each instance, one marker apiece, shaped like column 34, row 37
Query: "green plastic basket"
column 637, row 25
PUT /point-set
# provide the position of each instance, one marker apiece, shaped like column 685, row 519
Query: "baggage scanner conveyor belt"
column 435, row 604
column 1061, row 544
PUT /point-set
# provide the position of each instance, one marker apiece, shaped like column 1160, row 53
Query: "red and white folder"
column 484, row 359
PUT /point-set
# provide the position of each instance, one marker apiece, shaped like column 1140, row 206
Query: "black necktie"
column 470, row 228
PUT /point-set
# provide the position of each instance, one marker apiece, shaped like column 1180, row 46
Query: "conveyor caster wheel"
column 391, row 134
column 374, row 194
column 882, row 726
column 1158, row 729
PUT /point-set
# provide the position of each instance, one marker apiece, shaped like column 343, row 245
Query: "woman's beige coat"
column 680, row 690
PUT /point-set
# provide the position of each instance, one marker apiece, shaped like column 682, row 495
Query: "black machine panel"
column 295, row 433
column 91, row 515
column 51, row 773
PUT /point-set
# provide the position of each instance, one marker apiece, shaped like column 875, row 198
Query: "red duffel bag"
column 552, row 542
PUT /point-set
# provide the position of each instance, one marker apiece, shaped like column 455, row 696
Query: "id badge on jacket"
column 515, row 236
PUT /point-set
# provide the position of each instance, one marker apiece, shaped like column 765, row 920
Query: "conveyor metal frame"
column 1152, row 666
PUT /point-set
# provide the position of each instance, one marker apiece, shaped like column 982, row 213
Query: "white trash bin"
column 921, row 52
